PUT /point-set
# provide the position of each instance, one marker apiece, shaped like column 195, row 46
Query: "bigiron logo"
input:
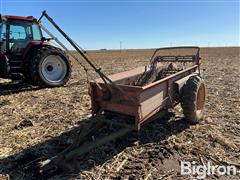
column 201, row 171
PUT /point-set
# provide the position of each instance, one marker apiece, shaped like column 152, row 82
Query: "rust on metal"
column 201, row 97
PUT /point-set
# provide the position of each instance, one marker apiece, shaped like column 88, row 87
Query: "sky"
column 105, row 24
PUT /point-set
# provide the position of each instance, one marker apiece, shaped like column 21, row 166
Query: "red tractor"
column 26, row 54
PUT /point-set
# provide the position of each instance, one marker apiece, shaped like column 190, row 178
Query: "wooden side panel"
column 119, row 108
column 152, row 100
column 126, row 103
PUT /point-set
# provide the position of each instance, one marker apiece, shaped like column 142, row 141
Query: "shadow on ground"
column 24, row 164
column 15, row 87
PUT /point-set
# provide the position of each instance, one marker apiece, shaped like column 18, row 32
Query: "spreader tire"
column 49, row 67
column 193, row 99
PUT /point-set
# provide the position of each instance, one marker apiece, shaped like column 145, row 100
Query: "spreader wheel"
column 193, row 99
column 49, row 67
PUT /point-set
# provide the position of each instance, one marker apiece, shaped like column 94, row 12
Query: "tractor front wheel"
column 49, row 67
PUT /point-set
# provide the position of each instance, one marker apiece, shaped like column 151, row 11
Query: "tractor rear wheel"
column 49, row 67
column 193, row 99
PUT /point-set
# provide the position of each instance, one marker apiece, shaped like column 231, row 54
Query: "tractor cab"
column 17, row 33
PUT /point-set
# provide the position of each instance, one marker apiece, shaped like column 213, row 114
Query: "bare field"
column 37, row 123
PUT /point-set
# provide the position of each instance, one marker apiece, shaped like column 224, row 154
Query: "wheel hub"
column 49, row 68
column 201, row 97
column 53, row 68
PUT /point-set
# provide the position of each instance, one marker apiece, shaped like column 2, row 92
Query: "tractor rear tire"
column 49, row 67
column 193, row 99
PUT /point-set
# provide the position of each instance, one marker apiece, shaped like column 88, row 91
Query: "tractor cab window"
column 21, row 34
column 3, row 37
column 37, row 36
column 17, row 33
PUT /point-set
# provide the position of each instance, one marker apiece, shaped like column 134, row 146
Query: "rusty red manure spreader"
column 183, row 86
column 172, row 77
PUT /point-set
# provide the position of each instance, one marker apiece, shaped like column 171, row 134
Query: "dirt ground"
column 35, row 124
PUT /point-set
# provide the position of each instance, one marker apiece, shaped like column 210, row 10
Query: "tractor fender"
column 32, row 47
